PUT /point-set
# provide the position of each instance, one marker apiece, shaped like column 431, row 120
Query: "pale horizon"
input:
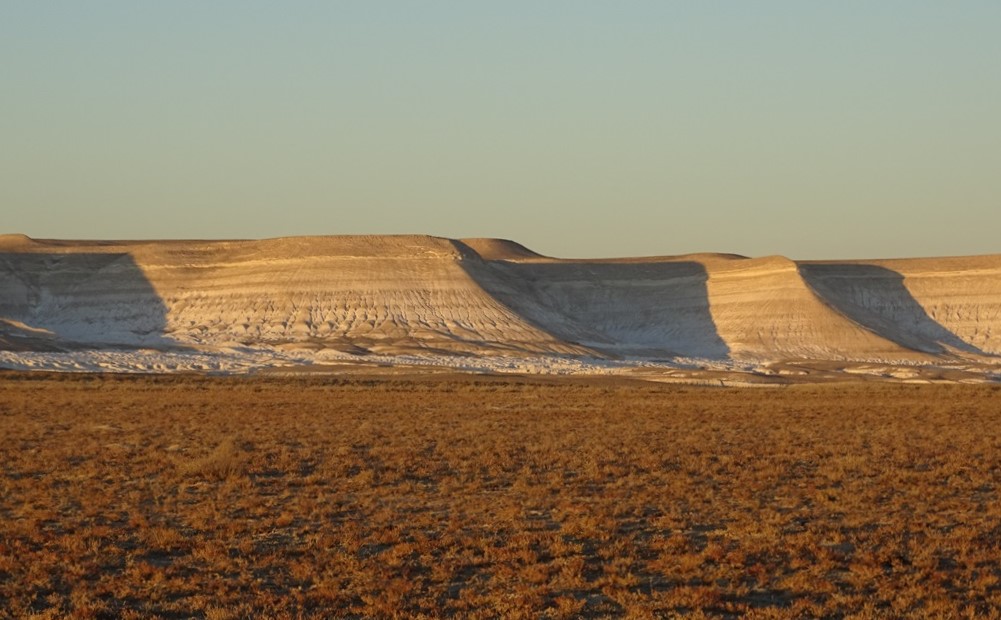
column 576, row 129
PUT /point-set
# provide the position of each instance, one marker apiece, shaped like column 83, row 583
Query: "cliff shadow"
column 876, row 298
column 647, row 309
column 50, row 300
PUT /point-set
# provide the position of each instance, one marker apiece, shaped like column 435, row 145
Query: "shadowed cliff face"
column 651, row 309
column 876, row 297
column 78, row 299
column 416, row 294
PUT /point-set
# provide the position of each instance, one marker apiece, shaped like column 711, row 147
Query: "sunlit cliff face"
column 396, row 295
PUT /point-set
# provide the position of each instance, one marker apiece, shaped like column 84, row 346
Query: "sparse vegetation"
column 490, row 497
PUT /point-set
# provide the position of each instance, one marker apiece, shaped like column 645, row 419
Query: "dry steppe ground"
column 314, row 496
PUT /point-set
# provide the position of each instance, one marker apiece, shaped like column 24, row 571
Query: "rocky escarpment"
column 412, row 293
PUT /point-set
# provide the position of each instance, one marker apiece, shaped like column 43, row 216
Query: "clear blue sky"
column 580, row 128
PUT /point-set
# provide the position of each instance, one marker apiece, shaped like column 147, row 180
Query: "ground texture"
column 482, row 497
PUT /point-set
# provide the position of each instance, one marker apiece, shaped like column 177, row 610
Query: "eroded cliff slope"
column 413, row 294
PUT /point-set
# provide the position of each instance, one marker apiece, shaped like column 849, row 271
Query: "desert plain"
column 413, row 426
column 486, row 497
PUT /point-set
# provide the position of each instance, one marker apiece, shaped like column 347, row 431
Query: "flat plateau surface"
column 314, row 496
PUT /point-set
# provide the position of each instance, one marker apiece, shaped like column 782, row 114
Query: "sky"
column 850, row 129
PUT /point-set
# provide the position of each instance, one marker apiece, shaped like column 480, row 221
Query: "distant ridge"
column 412, row 294
column 499, row 249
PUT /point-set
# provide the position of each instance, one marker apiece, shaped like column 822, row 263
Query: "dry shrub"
column 219, row 613
column 225, row 461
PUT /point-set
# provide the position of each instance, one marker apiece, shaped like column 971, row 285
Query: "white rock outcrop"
column 396, row 295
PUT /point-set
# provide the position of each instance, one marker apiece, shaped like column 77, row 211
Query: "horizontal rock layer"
column 408, row 294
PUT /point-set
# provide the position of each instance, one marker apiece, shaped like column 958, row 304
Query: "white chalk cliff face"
column 396, row 295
